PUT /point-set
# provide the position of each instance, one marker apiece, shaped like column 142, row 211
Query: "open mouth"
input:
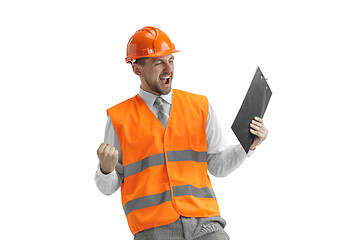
column 165, row 80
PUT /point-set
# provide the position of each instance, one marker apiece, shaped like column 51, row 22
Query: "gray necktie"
column 162, row 113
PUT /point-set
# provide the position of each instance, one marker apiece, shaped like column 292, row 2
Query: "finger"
column 262, row 129
column 116, row 154
column 107, row 150
column 259, row 134
column 257, row 123
column 108, row 147
column 254, row 131
column 260, row 123
column 255, row 127
column 258, row 119
column 101, row 148
column 111, row 151
column 262, row 135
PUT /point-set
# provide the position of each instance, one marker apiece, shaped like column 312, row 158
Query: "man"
column 159, row 146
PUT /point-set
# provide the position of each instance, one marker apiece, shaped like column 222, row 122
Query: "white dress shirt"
column 221, row 159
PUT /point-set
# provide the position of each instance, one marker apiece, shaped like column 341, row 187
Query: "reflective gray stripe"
column 147, row 201
column 139, row 166
column 194, row 191
column 186, row 155
column 159, row 159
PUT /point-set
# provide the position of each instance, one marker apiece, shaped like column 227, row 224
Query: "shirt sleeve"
column 221, row 159
column 110, row 183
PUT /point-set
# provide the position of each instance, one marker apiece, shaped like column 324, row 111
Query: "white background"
column 62, row 65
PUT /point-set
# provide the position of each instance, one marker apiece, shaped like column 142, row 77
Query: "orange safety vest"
column 165, row 170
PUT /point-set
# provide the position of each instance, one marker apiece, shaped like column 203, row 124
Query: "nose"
column 168, row 67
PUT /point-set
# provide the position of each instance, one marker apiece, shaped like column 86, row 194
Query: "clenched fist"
column 108, row 157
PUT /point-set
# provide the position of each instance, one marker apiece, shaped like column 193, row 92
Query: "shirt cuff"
column 107, row 183
column 105, row 177
column 238, row 149
column 250, row 152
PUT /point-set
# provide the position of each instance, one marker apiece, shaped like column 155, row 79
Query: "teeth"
column 165, row 78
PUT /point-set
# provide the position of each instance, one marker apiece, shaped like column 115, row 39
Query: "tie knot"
column 158, row 101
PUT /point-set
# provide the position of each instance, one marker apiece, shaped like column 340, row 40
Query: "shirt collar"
column 150, row 98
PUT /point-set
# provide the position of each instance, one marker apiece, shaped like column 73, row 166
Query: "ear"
column 137, row 70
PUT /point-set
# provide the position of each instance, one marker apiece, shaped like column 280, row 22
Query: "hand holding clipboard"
column 254, row 105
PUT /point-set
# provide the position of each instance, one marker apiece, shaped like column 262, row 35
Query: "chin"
column 165, row 92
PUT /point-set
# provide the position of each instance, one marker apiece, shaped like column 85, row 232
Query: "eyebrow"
column 162, row 60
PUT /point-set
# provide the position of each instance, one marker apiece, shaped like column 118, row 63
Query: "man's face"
column 157, row 74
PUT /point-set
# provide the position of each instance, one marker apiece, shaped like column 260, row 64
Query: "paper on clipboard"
column 254, row 104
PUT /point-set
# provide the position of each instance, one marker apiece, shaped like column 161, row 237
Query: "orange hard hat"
column 149, row 42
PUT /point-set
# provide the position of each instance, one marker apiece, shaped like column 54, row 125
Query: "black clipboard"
column 254, row 104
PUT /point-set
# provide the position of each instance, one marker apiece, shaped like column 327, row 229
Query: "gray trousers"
column 211, row 228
